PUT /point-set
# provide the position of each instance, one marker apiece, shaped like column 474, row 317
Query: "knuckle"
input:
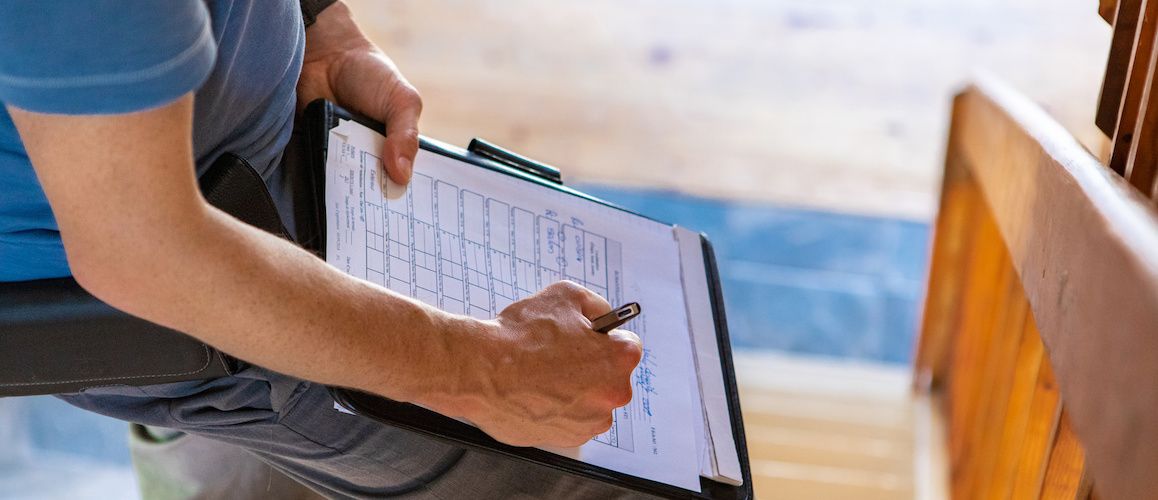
column 572, row 286
column 632, row 353
column 602, row 426
column 621, row 396
column 568, row 289
column 406, row 137
column 615, row 396
column 513, row 306
column 575, row 440
column 409, row 95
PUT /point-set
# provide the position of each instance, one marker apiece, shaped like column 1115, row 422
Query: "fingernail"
column 404, row 168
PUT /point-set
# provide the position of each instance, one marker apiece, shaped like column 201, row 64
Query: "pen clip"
column 511, row 159
column 616, row 318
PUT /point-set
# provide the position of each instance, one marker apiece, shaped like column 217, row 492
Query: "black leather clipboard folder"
column 320, row 117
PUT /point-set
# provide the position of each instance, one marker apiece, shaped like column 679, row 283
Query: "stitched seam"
column 292, row 401
column 208, row 360
column 140, row 75
column 221, row 358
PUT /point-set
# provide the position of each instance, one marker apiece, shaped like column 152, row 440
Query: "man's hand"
column 546, row 378
column 342, row 65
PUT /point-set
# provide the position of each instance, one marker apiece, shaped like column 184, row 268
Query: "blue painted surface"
column 50, row 450
column 803, row 280
column 87, row 434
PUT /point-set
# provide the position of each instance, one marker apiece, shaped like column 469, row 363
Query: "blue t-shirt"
column 242, row 58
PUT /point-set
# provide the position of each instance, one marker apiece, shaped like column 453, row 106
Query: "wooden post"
column 1133, row 93
column 1125, row 22
column 1140, row 165
column 1106, row 9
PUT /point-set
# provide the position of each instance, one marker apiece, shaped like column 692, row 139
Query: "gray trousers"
column 291, row 425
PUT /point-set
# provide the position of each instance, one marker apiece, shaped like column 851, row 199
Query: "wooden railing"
column 1128, row 105
column 1040, row 332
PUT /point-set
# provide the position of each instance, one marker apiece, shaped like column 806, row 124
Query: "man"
column 110, row 109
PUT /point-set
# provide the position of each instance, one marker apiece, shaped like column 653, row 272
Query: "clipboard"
column 319, row 118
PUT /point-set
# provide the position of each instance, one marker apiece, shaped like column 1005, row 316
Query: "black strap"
column 232, row 185
column 311, row 9
column 57, row 338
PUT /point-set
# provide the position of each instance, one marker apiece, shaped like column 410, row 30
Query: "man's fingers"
column 627, row 337
column 631, row 346
column 403, row 109
column 605, row 424
column 590, row 303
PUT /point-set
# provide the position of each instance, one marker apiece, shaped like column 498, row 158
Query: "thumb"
column 403, row 109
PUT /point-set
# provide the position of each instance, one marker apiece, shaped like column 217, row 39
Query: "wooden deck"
column 839, row 105
column 820, row 428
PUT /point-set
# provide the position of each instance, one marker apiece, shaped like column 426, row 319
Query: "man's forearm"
column 139, row 236
column 264, row 300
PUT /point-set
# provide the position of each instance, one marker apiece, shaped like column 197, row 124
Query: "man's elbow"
column 136, row 264
column 120, row 281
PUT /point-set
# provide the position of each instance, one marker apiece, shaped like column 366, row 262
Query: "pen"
column 616, row 318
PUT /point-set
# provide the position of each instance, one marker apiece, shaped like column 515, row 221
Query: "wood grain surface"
column 1125, row 22
column 1106, row 9
column 1137, row 56
column 1085, row 246
column 839, row 105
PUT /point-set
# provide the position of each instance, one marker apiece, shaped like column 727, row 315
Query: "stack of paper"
column 472, row 241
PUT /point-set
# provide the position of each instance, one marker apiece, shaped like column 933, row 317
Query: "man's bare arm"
column 139, row 236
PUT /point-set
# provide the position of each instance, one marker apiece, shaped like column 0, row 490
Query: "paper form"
column 472, row 241
column 720, row 460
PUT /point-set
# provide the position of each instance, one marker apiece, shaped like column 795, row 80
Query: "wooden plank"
column 1001, row 363
column 1065, row 473
column 1085, row 245
column 977, row 373
column 1125, row 23
column 930, row 453
column 1106, row 9
column 1019, row 411
column 1044, row 411
column 1141, row 162
column 952, row 233
column 986, row 273
column 1132, row 95
column 821, row 428
column 773, row 479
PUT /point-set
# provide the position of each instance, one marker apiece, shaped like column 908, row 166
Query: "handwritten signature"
column 644, row 376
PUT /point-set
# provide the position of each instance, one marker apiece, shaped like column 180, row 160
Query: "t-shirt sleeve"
column 102, row 56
